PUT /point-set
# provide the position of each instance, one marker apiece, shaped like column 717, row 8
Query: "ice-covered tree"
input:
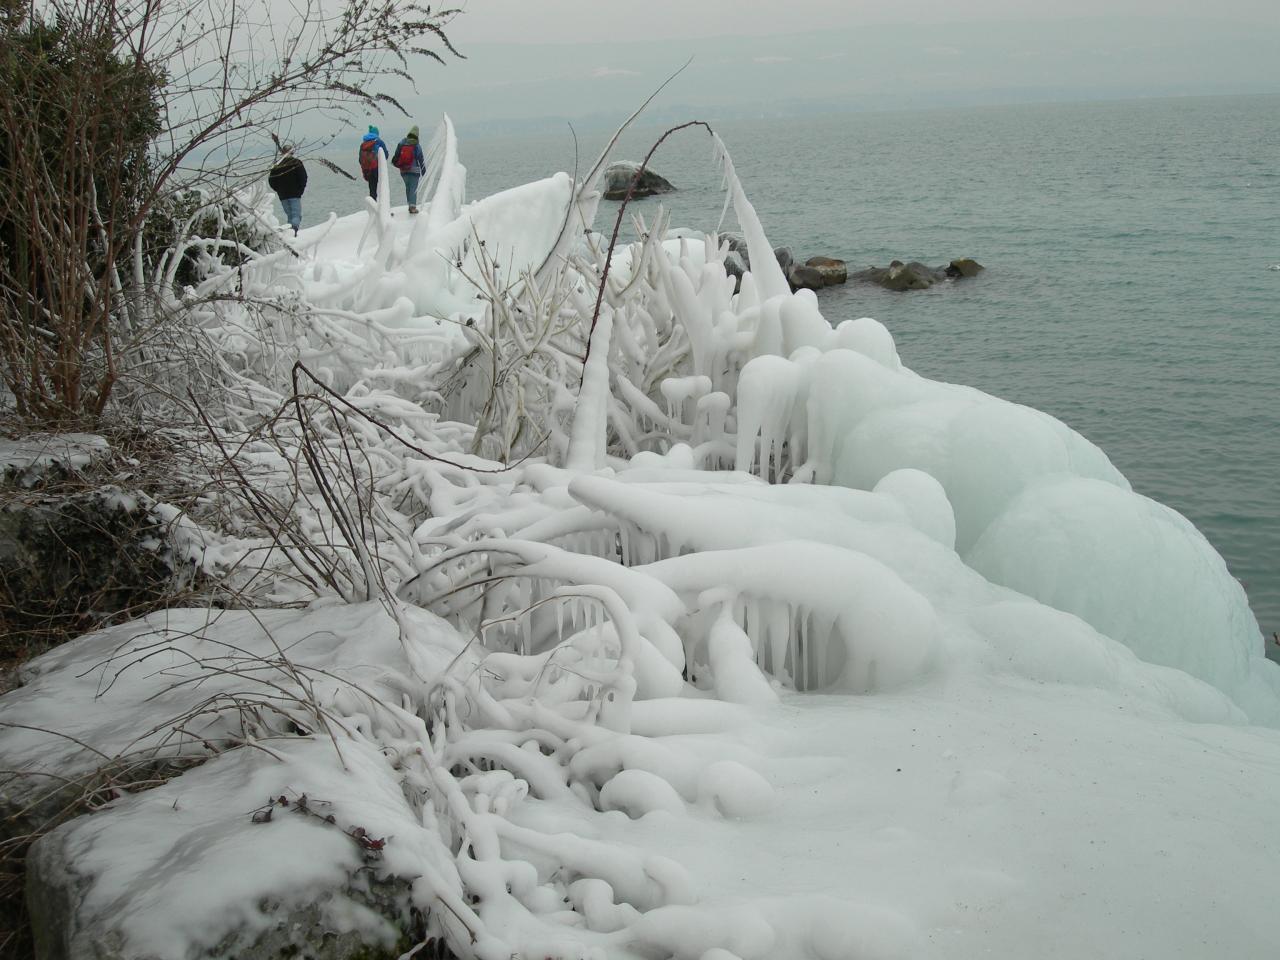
column 109, row 110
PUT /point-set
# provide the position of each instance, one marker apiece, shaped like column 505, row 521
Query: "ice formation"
column 737, row 640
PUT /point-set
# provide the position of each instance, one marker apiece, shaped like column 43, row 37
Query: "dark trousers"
column 372, row 177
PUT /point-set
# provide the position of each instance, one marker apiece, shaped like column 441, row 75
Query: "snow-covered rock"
column 145, row 700
column 174, row 873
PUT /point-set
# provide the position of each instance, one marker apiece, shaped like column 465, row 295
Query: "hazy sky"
column 548, row 21
column 529, row 62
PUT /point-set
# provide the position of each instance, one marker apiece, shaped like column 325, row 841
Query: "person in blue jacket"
column 412, row 164
column 370, row 144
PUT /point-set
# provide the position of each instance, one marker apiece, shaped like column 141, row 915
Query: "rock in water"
column 804, row 277
column 913, row 276
column 618, row 177
column 814, row 274
column 917, row 276
column 901, row 276
column 786, row 259
column 964, row 267
column 736, row 243
column 735, row 266
column 831, row 270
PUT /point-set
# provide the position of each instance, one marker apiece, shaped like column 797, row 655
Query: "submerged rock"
column 901, row 276
column 618, row 177
column 964, row 267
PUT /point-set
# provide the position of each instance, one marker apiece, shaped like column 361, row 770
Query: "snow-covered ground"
column 738, row 639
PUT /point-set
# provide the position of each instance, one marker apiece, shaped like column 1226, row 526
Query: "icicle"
column 526, row 630
column 780, row 637
column 819, row 649
column 751, row 622
column 764, row 265
column 590, row 421
column 833, row 659
column 801, row 645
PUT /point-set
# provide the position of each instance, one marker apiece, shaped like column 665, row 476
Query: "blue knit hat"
column 373, row 129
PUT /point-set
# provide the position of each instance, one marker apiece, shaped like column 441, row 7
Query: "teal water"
column 1129, row 249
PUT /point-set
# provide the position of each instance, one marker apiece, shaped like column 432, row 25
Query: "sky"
column 529, row 61
column 596, row 21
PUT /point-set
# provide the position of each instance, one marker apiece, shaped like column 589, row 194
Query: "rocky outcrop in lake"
column 817, row 272
column 916, row 275
column 814, row 274
column 618, row 177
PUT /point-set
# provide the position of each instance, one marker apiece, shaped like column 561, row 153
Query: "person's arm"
column 302, row 170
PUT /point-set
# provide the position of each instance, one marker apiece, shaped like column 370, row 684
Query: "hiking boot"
column 413, row 209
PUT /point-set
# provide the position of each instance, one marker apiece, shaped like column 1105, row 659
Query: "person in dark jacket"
column 288, row 178
column 408, row 159
column 370, row 144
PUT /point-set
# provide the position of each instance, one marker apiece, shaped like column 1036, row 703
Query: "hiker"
column 370, row 144
column 411, row 163
column 288, row 178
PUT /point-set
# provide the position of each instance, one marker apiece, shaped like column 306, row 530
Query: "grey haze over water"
column 1129, row 247
column 822, row 56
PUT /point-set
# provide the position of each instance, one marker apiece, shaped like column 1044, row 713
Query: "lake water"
column 1133, row 268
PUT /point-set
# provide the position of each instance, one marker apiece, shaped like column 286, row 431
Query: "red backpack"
column 404, row 156
column 368, row 156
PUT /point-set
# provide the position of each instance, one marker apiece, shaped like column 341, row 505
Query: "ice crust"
column 763, row 646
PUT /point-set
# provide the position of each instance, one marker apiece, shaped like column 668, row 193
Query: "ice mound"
column 1086, row 547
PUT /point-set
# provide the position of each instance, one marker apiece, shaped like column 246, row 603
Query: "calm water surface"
column 1129, row 289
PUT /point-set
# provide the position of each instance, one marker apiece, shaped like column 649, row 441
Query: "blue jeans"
column 411, row 187
column 293, row 211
